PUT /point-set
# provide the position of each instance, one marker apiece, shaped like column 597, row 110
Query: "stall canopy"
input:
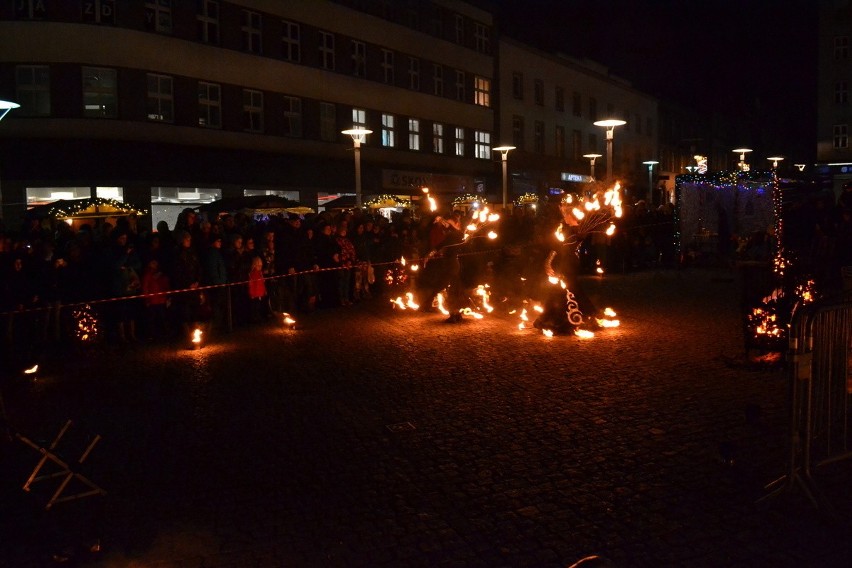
column 83, row 209
column 254, row 205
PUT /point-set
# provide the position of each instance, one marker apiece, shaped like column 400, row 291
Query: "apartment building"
column 165, row 104
column 834, row 113
column 548, row 106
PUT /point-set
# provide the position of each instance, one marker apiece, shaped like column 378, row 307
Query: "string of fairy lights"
column 75, row 208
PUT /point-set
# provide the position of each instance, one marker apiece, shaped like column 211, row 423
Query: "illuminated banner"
column 577, row 178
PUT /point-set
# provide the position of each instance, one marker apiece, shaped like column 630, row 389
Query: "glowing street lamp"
column 650, row 164
column 592, row 158
column 610, row 125
column 742, row 152
column 504, row 152
column 6, row 106
column 775, row 160
column 358, row 136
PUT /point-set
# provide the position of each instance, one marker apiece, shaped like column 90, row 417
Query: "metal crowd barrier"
column 820, row 387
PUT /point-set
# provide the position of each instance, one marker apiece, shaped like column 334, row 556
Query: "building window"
column 841, row 93
column 413, row 134
column 359, row 118
column 98, row 11
column 593, row 109
column 100, row 92
column 482, row 147
column 559, row 141
column 158, row 16
column 841, row 47
column 559, row 96
column 538, row 137
column 438, row 80
column 576, row 145
column 328, row 122
column 482, row 91
column 518, row 132
column 576, row 104
column 538, row 92
column 459, row 29
column 32, row 90
column 30, row 10
column 359, row 59
column 387, row 66
column 388, row 132
column 209, row 105
column 459, row 85
column 438, row 138
column 326, row 50
column 208, row 21
column 251, row 32
column 291, row 42
column 480, row 33
column 841, row 137
column 459, row 142
column 518, row 86
column 292, row 117
column 160, row 99
column 252, row 110
column 413, row 73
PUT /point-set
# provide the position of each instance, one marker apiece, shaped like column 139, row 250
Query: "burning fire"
column 408, row 303
column 288, row 320
column 196, row 336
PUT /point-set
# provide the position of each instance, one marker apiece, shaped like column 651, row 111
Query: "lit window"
column 388, row 132
column 160, row 99
column 209, row 105
column 100, row 93
column 359, row 118
column 413, row 134
column 482, row 145
column 459, row 142
column 482, row 91
column 438, row 138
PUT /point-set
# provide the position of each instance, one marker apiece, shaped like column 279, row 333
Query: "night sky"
column 745, row 58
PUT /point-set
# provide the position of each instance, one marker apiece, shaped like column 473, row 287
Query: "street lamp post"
column 504, row 153
column 610, row 125
column 5, row 107
column 358, row 136
column 650, row 164
column 592, row 158
column 742, row 152
column 775, row 160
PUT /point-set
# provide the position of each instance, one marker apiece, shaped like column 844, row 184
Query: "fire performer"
column 443, row 269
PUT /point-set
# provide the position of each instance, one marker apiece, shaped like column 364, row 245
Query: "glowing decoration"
column 91, row 208
column 86, row 327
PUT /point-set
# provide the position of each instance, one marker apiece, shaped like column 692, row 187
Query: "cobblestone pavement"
column 378, row 437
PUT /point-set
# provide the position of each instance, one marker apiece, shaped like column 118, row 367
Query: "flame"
column 610, row 231
column 583, row 333
column 32, row 370
column 524, row 316
column 560, row 236
column 539, row 308
column 433, row 205
column 553, row 279
column 578, row 213
column 482, row 290
column 609, row 312
column 492, row 235
column 440, row 301
column 196, row 336
column 470, row 312
column 288, row 320
column 608, row 322
column 410, row 301
column 397, row 302
column 493, row 217
column 472, row 227
column 402, row 260
column 547, row 332
column 415, row 267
